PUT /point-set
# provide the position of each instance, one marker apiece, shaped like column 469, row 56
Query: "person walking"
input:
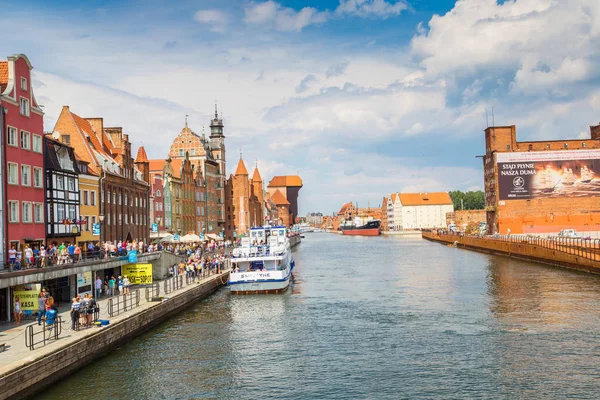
column 41, row 307
column 120, row 285
column 77, row 253
column 91, row 305
column 98, row 287
column 75, row 306
column 17, row 310
column 126, row 284
column 50, row 316
column 28, row 256
column 111, row 285
column 43, row 257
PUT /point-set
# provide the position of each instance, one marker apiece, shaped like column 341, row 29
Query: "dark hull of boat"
column 371, row 228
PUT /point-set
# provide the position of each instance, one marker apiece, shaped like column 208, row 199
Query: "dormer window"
column 24, row 84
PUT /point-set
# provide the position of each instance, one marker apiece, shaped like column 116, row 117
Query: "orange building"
column 289, row 186
column 541, row 186
column 347, row 212
column 178, row 178
column 243, row 201
column 124, row 192
column 283, row 208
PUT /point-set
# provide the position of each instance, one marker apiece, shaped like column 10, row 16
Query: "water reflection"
column 530, row 297
column 381, row 318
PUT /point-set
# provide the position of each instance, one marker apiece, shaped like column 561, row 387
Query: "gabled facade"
column 124, row 194
column 200, row 203
column 158, row 209
column 23, row 159
column 89, row 195
column 207, row 157
column 63, row 217
column 178, row 191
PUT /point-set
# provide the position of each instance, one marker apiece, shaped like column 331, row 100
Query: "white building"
column 314, row 219
column 408, row 211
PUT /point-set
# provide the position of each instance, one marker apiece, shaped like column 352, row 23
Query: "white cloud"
column 545, row 42
column 215, row 19
column 365, row 8
column 283, row 18
column 273, row 14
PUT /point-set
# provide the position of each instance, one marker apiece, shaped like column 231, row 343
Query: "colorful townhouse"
column 23, row 155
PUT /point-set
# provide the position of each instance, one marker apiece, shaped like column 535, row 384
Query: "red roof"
column 423, row 199
column 256, row 176
column 141, row 155
column 159, row 166
column 287, row 180
column 3, row 74
column 241, row 168
column 344, row 208
column 279, row 199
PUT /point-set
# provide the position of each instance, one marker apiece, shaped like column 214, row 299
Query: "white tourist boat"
column 263, row 263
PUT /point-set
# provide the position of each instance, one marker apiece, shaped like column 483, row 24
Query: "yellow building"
column 89, row 187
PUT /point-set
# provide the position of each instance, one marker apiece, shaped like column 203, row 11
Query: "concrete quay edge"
column 523, row 251
column 59, row 359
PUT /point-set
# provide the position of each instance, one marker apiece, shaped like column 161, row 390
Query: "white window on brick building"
column 37, row 177
column 13, row 173
column 25, row 140
column 24, row 106
column 13, row 211
column 38, row 213
column 26, row 212
column 25, row 175
column 12, row 139
column 37, row 143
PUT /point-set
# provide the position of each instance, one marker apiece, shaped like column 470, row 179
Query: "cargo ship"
column 362, row 226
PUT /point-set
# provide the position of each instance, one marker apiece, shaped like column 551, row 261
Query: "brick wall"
column 523, row 250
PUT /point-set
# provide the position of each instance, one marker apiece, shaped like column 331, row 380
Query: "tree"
column 467, row 201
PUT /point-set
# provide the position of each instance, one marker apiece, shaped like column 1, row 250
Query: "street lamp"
column 101, row 219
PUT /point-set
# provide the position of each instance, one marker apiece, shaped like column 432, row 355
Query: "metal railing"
column 585, row 248
column 55, row 261
column 152, row 290
column 43, row 334
column 124, row 302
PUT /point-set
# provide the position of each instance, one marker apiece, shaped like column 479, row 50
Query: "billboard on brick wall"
column 548, row 174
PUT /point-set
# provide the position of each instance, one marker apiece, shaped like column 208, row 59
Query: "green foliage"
column 470, row 200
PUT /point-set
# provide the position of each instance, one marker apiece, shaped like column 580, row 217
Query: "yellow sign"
column 28, row 299
column 138, row 274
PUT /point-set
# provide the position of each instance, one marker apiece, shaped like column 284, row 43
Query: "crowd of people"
column 197, row 263
column 68, row 253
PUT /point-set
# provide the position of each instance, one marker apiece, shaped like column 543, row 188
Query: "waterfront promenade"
column 573, row 253
column 18, row 362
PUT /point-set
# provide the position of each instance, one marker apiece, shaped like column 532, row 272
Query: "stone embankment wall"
column 523, row 250
column 295, row 240
column 40, row 373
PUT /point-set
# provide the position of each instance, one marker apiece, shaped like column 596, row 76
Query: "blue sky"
column 360, row 97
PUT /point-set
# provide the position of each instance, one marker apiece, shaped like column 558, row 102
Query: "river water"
column 371, row 318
